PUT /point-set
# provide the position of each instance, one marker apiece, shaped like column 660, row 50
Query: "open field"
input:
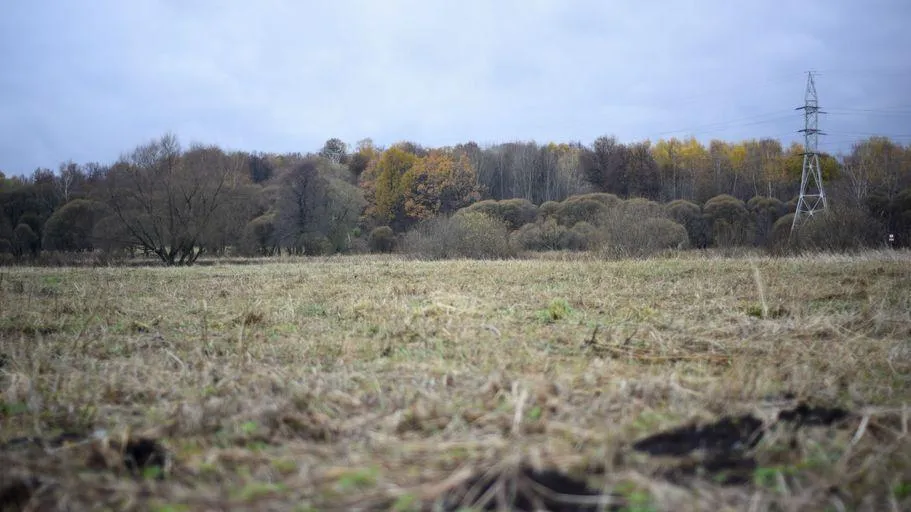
column 385, row 384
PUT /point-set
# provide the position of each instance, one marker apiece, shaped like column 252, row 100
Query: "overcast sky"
column 88, row 80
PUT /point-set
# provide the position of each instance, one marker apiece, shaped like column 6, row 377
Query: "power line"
column 685, row 100
column 863, row 71
column 866, row 112
column 732, row 123
column 871, row 134
column 780, row 115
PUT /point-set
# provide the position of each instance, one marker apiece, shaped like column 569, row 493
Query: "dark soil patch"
column 137, row 455
column 527, row 489
column 721, row 469
column 29, row 330
column 142, row 454
column 808, row 415
column 729, row 434
column 727, row 443
column 15, row 493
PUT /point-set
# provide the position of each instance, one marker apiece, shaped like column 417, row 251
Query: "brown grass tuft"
column 356, row 383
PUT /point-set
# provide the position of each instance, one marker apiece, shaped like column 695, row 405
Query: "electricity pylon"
column 812, row 197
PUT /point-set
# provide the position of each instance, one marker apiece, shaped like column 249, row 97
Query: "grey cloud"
column 87, row 81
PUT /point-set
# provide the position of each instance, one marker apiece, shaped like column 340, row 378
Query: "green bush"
column 381, row 239
column 70, row 228
column 24, row 240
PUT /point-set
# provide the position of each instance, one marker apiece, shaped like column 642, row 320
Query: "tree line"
column 176, row 203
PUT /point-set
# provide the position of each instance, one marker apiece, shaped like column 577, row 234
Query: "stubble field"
column 378, row 383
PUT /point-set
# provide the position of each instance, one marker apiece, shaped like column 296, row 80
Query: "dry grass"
column 380, row 383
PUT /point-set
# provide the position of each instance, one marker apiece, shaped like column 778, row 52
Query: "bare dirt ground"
column 375, row 383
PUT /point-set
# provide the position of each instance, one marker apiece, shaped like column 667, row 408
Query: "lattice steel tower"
column 812, row 197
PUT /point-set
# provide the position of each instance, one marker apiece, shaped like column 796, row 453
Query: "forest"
column 175, row 203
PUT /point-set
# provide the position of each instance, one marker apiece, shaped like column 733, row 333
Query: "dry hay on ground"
column 379, row 384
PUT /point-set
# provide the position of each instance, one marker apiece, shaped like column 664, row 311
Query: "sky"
column 89, row 81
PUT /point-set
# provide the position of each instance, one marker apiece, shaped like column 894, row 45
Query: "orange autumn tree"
column 439, row 183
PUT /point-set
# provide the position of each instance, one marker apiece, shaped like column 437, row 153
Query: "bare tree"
column 68, row 180
column 605, row 166
column 166, row 199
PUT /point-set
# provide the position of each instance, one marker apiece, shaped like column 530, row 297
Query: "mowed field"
column 379, row 383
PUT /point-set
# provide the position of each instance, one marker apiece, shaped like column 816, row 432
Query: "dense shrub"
column 664, row 234
column 583, row 236
column 681, row 210
column 764, row 211
column 514, row 212
column 730, row 220
column 789, row 206
column 260, row 236
column 630, row 236
column 638, row 227
column 543, row 235
column 779, row 242
column 468, row 234
column 894, row 212
column 358, row 245
column 33, row 221
column 110, row 235
column 690, row 216
column 642, row 208
column 609, row 200
column 315, row 244
column 580, row 209
column 840, row 228
column 25, row 241
column 70, row 228
column 903, row 218
column 547, row 210
column 381, row 239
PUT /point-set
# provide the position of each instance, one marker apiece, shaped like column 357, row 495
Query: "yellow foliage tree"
column 696, row 162
column 387, row 183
